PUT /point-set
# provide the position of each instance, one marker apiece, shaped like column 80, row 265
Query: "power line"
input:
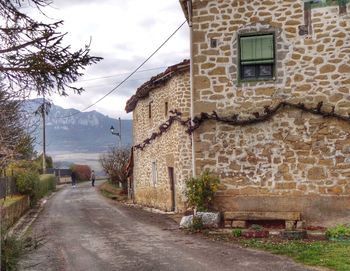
column 104, row 85
column 119, row 74
column 126, row 78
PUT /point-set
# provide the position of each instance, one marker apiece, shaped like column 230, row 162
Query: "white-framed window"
column 154, row 173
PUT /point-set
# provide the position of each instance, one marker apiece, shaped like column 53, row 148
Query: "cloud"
column 124, row 33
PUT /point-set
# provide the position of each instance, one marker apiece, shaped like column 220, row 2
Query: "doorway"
column 172, row 187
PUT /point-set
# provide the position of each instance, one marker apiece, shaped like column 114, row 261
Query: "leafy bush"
column 83, row 172
column 47, row 184
column 338, row 232
column 48, row 160
column 35, row 186
column 197, row 224
column 28, row 184
column 200, row 191
column 236, row 232
column 11, row 250
column 22, row 166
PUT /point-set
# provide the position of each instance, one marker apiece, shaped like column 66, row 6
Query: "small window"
column 150, row 110
column 166, row 108
column 154, row 173
column 257, row 57
column 213, row 43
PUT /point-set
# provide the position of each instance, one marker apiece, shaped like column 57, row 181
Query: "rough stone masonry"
column 295, row 161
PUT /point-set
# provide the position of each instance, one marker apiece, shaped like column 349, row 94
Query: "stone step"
column 249, row 215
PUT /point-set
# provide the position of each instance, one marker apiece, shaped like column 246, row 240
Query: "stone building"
column 277, row 75
column 162, row 160
column 269, row 93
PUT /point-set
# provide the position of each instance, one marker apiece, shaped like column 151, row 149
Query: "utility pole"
column 43, row 113
column 120, row 133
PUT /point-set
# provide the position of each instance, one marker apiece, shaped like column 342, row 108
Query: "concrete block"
column 300, row 225
column 290, row 225
column 228, row 224
column 239, row 224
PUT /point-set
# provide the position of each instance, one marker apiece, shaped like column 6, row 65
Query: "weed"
column 339, row 232
column 197, row 224
column 236, row 232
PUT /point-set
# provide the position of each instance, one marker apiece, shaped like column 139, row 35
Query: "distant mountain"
column 85, row 132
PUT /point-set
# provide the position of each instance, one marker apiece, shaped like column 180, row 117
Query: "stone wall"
column 295, row 161
column 172, row 149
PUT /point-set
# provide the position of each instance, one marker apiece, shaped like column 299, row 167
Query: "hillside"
column 83, row 133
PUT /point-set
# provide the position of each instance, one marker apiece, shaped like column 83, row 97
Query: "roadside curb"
column 149, row 209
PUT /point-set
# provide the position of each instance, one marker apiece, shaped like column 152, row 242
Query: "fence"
column 58, row 172
column 7, row 187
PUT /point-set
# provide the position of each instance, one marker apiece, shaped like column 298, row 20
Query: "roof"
column 184, row 6
column 155, row 82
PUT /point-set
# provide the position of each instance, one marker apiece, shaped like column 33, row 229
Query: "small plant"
column 197, row 224
column 13, row 248
column 236, row 232
column 339, row 232
column 200, row 191
column 256, row 227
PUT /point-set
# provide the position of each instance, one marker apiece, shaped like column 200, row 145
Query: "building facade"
column 269, row 96
column 277, row 75
column 162, row 152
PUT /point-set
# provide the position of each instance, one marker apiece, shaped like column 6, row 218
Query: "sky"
column 124, row 33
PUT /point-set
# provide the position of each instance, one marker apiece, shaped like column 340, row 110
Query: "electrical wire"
column 126, row 78
column 119, row 74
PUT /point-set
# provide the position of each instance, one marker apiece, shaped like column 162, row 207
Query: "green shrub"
column 11, row 250
column 200, row 191
column 236, row 232
column 37, row 187
column 28, row 184
column 340, row 231
column 22, row 166
column 197, row 224
column 47, row 184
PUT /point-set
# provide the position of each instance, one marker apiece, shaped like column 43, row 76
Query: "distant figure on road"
column 74, row 178
column 93, row 177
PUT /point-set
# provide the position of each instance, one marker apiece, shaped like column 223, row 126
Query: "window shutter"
column 248, row 48
column 257, row 49
column 264, row 49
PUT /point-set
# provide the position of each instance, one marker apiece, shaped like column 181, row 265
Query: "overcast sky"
column 124, row 33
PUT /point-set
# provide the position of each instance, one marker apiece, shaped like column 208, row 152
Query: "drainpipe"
column 189, row 9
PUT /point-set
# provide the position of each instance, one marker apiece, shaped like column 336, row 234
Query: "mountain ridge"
column 83, row 132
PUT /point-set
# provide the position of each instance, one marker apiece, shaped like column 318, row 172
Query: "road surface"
column 84, row 231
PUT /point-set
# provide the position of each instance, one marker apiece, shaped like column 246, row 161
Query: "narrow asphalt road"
column 84, row 231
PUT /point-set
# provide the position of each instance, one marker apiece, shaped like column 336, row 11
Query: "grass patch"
column 10, row 200
column 112, row 192
column 334, row 255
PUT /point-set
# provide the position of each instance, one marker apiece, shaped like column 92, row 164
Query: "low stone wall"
column 316, row 210
column 10, row 214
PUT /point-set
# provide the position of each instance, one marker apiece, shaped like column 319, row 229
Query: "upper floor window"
column 150, row 110
column 257, row 57
column 166, row 109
